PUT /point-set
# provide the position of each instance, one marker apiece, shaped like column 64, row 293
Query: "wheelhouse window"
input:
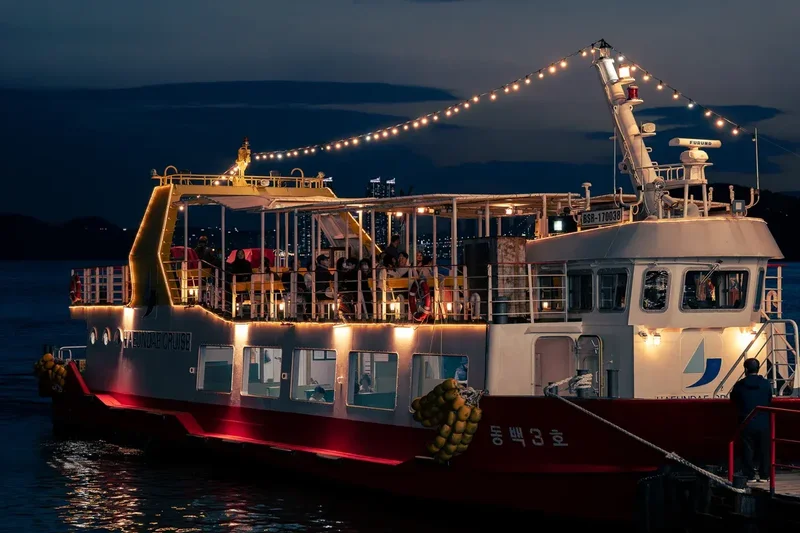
column 373, row 380
column 313, row 375
column 655, row 290
column 714, row 289
column 262, row 372
column 580, row 291
column 215, row 368
column 428, row 370
column 613, row 289
column 759, row 290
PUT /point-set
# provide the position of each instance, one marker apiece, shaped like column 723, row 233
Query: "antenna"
column 755, row 140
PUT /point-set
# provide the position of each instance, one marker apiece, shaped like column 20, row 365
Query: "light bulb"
column 355, row 141
column 552, row 68
column 416, row 124
column 506, row 89
column 424, row 121
column 475, row 99
column 305, row 151
column 296, row 152
column 563, row 63
column 735, row 131
column 456, row 110
column 708, row 113
column 527, row 80
column 385, row 133
column 394, row 131
column 447, row 113
column 515, row 86
column 720, row 123
column 435, row 118
column 690, row 105
column 272, row 156
column 493, row 96
column 660, row 86
column 621, row 58
column 646, row 77
column 313, row 150
column 583, row 53
column 368, row 137
column 466, row 105
column 541, row 74
column 405, row 127
column 347, row 143
column 338, row 146
column 675, row 95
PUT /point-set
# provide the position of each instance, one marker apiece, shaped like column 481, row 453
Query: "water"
column 51, row 485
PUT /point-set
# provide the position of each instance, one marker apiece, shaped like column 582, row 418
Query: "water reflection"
column 118, row 489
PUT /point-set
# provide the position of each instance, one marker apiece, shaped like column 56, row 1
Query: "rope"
column 581, row 382
column 669, row 455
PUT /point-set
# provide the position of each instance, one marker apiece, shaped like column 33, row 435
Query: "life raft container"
column 419, row 300
column 75, row 287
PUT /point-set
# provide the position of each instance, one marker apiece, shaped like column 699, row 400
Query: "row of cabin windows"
column 702, row 290
column 372, row 383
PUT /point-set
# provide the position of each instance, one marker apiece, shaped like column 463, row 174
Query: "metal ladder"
column 777, row 341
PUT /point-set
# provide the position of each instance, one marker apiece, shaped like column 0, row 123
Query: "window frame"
column 669, row 289
column 292, row 373
column 197, row 371
column 761, row 283
column 350, row 385
column 685, row 309
column 244, row 373
column 582, row 272
column 614, row 270
column 428, row 354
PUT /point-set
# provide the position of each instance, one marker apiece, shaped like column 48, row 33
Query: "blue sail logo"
column 698, row 364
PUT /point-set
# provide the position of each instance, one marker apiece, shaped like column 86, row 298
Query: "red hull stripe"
column 194, row 429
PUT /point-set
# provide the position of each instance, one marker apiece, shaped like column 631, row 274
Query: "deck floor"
column 786, row 484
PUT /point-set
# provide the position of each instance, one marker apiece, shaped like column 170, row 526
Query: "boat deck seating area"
column 519, row 292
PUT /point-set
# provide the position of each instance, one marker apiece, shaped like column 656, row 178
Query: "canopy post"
column 487, row 230
column 374, row 266
column 263, row 270
column 360, row 234
column 454, row 238
column 224, row 262
column 414, row 245
column 278, row 234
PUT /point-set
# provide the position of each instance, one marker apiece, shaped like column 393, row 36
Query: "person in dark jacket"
column 750, row 392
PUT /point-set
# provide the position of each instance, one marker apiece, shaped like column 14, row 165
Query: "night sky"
column 87, row 104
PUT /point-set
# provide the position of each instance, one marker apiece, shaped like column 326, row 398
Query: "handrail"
column 770, row 322
column 772, row 441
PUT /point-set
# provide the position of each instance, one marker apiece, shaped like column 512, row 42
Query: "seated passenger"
column 318, row 395
column 365, row 385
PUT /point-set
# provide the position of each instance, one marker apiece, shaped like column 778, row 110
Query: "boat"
column 591, row 353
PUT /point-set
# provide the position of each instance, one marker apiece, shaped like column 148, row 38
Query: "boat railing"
column 778, row 348
column 506, row 292
column 105, row 285
column 671, row 172
column 773, row 442
column 251, row 181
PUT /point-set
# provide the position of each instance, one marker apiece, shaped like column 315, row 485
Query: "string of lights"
column 626, row 68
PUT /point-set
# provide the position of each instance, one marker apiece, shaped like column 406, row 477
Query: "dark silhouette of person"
column 750, row 392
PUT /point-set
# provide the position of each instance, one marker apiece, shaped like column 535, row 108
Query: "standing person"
column 750, row 392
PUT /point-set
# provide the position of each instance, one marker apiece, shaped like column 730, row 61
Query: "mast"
column 636, row 158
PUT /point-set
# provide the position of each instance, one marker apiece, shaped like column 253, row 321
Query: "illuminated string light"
column 719, row 120
column 507, row 88
column 415, row 124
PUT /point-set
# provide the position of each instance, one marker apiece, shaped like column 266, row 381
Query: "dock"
column 787, row 485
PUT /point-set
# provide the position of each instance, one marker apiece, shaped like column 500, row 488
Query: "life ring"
column 75, row 289
column 419, row 300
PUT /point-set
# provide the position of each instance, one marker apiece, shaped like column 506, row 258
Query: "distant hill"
column 90, row 238
column 85, row 238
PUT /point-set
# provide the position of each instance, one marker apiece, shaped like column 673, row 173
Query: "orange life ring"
column 419, row 300
column 75, row 291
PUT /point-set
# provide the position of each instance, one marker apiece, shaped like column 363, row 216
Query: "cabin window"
column 613, row 289
column 428, row 370
column 714, row 289
column 313, row 375
column 550, row 283
column 373, row 380
column 655, row 290
column 759, row 290
column 580, row 292
column 261, row 374
column 215, row 368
